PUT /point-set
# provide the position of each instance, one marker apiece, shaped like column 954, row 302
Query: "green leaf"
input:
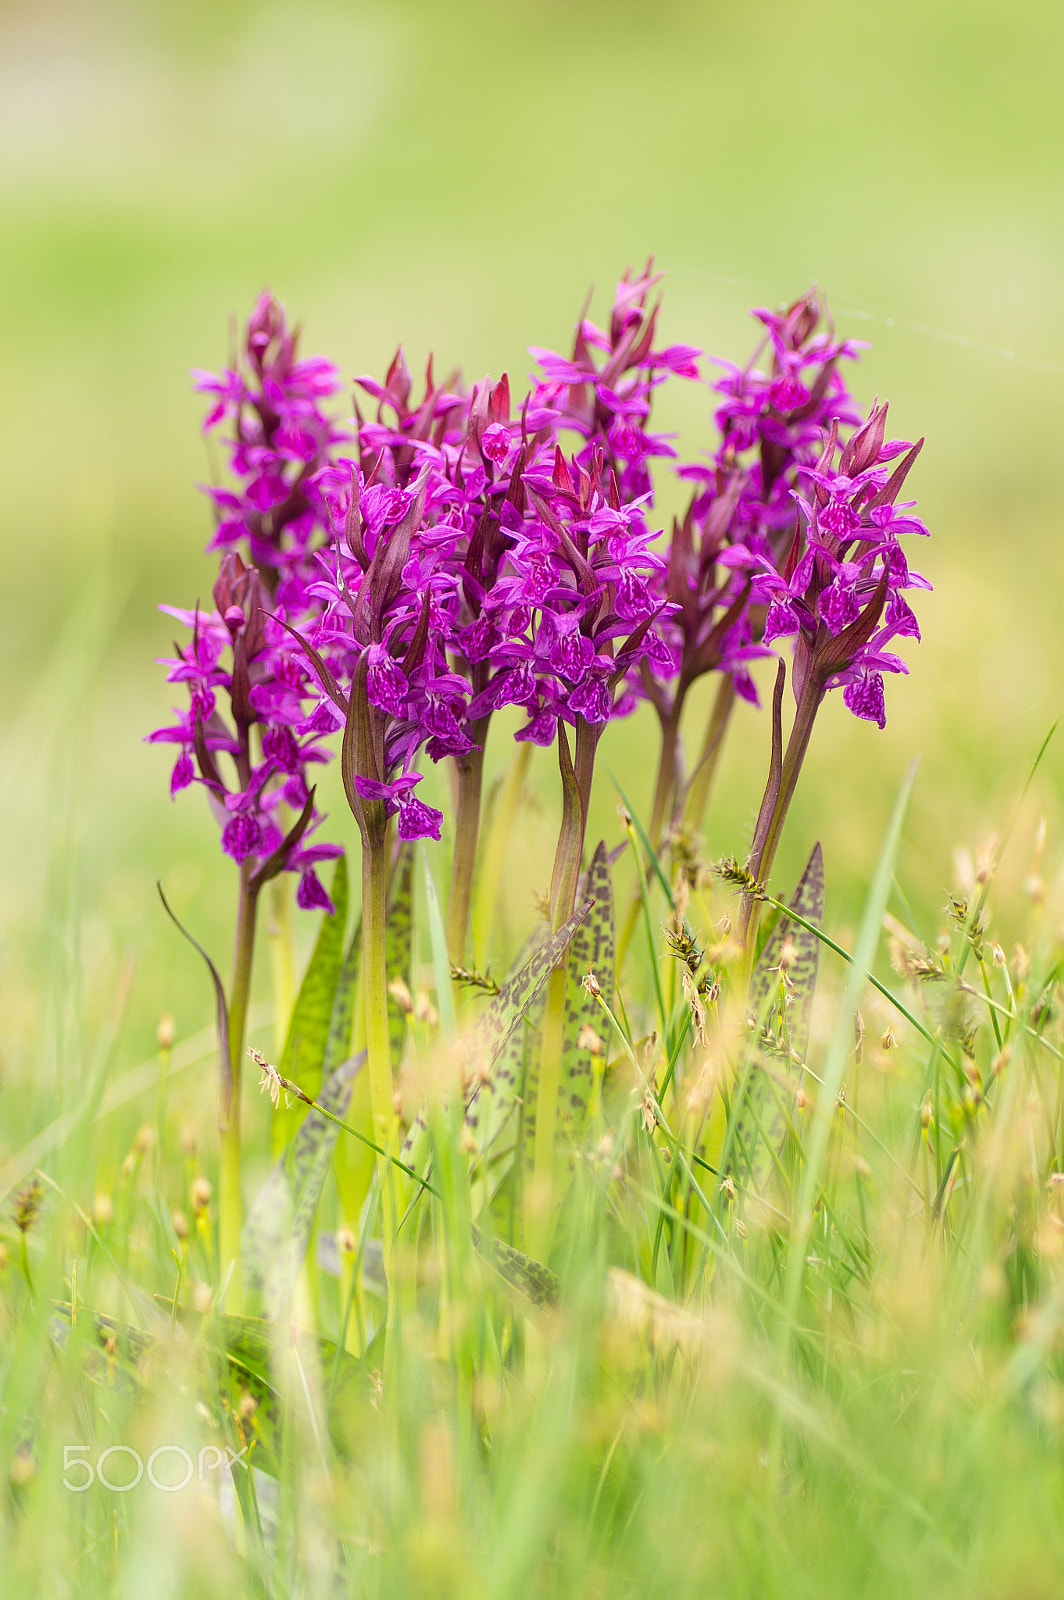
column 486, row 1044
column 279, row 1226
column 440, row 959
column 498, row 1024
column 123, row 1359
column 249, row 1347
column 524, row 1273
column 763, row 1109
column 807, row 902
column 308, row 1032
column 338, row 1042
column 592, row 948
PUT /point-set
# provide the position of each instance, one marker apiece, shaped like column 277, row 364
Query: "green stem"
column 497, row 849
column 378, row 1050
column 709, row 756
column 770, row 823
column 230, row 1201
column 663, row 806
column 467, row 832
column 576, row 791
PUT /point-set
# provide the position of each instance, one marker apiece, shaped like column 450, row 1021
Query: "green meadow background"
column 455, row 176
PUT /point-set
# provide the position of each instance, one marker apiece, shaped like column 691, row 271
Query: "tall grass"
column 837, row 1370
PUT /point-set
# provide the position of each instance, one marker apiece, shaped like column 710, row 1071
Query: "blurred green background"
column 456, row 176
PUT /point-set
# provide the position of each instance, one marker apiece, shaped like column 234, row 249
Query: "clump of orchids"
column 388, row 582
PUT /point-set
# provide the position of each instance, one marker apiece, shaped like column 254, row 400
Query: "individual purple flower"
column 416, row 819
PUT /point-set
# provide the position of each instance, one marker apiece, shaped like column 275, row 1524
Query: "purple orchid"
column 241, row 654
column 772, row 425
column 376, row 648
column 608, row 402
column 840, row 594
column 279, row 439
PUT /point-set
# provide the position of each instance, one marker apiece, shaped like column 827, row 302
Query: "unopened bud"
column 926, row 1115
column 346, row 1239
column 180, row 1224
column 165, row 1032
column 23, row 1469
column 591, row 984
column 201, row 1194
column 424, row 1010
column 145, row 1139
column 400, row 993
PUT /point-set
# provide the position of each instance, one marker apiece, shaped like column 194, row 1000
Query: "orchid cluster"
column 389, row 584
column 772, row 425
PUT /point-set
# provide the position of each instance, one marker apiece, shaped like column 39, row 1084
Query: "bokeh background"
column 455, row 177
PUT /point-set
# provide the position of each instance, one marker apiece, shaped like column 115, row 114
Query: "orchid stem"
column 467, row 833
column 576, row 788
column 230, row 1202
column 662, row 809
column 774, row 814
column 378, row 1048
column 701, row 783
column 497, row 848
